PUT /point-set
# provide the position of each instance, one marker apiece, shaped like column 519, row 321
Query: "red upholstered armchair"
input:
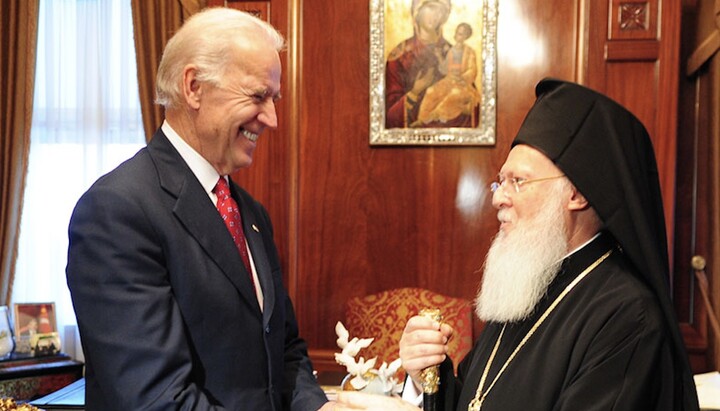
column 383, row 316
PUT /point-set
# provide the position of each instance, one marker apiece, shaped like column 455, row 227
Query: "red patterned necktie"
column 230, row 213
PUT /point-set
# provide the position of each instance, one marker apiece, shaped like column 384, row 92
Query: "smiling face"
column 227, row 119
column 527, row 163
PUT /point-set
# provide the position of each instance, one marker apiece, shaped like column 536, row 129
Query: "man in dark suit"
column 180, row 307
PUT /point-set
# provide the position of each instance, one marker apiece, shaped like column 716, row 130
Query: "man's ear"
column 191, row 87
column 577, row 200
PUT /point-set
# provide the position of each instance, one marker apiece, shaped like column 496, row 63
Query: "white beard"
column 521, row 264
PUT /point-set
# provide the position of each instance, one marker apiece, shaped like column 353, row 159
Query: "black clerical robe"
column 604, row 347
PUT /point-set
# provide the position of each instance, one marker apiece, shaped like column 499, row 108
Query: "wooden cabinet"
column 25, row 378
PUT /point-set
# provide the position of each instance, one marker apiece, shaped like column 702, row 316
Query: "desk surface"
column 71, row 397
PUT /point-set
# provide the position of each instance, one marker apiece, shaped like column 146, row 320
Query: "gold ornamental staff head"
column 431, row 375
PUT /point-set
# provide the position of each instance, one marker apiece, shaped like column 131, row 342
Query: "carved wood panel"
column 374, row 218
column 351, row 219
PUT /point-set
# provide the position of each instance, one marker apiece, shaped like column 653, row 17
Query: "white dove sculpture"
column 362, row 371
column 350, row 347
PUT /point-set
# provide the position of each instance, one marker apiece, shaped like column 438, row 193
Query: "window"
column 86, row 120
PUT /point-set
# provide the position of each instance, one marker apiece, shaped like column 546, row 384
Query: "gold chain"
column 477, row 402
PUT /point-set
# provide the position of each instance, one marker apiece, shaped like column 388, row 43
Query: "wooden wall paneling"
column 333, row 199
column 639, row 67
column 711, row 249
column 633, row 61
column 633, row 20
column 666, row 105
column 536, row 39
column 698, row 167
column 692, row 213
column 690, row 310
column 375, row 218
column 700, row 124
column 351, row 220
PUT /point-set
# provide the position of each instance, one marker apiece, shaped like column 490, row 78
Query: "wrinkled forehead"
column 529, row 162
column 256, row 59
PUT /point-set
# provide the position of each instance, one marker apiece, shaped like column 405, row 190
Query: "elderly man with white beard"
column 575, row 289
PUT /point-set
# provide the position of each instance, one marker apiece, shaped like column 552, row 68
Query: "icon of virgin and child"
column 429, row 82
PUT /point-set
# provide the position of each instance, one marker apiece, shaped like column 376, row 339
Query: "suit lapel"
column 198, row 215
column 254, row 237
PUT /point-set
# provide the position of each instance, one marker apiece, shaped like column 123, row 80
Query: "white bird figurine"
column 342, row 333
column 351, row 347
column 386, row 373
column 363, row 371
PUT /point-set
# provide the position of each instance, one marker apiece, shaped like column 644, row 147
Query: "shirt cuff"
column 411, row 393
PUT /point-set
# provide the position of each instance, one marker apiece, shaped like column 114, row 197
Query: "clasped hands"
column 423, row 344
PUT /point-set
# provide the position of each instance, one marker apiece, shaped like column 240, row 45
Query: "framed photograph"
column 35, row 328
column 34, row 318
column 433, row 67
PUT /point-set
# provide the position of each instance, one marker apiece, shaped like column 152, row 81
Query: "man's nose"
column 499, row 198
column 268, row 115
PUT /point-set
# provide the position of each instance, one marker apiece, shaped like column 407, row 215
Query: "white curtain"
column 86, row 120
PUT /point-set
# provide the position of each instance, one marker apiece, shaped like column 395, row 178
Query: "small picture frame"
column 35, row 328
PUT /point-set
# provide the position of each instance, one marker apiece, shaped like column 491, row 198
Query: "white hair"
column 209, row 40
column 521, row 264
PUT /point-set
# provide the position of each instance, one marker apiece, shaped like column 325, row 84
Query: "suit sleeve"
column 302, row 385
column 301, row 391
column 129, row 321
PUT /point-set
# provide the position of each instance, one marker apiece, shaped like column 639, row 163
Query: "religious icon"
column 433, row 72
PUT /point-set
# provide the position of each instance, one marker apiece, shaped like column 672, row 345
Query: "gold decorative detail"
column 431, row 375
column 384, row 315
column 477, row 402
column 698, row 262
column 9, row 404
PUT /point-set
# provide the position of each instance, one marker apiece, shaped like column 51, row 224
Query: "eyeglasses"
column 517, row 182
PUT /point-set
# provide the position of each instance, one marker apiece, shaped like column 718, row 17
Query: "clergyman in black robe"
column 600, row 332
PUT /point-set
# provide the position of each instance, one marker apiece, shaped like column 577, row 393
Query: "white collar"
column 203, row 170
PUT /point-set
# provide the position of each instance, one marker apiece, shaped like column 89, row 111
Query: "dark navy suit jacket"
column 166, row 310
